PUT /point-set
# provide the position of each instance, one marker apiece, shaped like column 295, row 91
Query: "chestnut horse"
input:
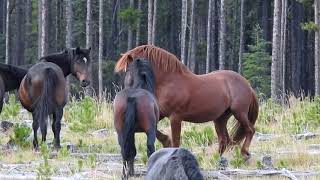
column 184, row 96
column 136, row 110
column 43, row 90
column 10, row 78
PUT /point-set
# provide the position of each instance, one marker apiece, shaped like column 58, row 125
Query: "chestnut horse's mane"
column 160, row 59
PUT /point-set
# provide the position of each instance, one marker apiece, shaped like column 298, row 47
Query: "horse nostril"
column 85, row 83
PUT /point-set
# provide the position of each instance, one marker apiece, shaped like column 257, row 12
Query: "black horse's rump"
column 173, row 163
column 11, row 76
column 136, row 110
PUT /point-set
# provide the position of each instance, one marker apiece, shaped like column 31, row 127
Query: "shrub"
column 44, row 171
column 11, row 109
column 237, row 160
column 20, row 134
column 199, row 136
column 81, row 114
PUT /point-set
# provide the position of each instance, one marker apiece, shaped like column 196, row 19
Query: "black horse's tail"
column 128, row 149
column 190, row 164
column 45, row 102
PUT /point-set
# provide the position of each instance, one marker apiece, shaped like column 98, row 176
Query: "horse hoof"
column 223, row 163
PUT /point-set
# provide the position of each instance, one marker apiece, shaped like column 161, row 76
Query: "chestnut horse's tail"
column 237, row 132
column 128, row 149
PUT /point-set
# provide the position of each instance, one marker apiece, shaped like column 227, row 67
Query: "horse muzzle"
column 85, row 83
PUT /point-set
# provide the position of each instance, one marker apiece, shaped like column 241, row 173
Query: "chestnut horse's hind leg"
column 223, row 136
column 163, row 138
column 249, row 132
column 175, row 131
column 56, row 126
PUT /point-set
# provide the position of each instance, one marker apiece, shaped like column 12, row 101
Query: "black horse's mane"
column 62, row 59
column 12, row 75
column 143, row 75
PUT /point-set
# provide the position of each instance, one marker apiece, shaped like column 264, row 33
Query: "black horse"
column 136, row 110
column 173, row 163
column 10, row 78
column 43, row 89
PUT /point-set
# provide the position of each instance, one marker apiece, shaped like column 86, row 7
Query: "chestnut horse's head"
column 80, row 62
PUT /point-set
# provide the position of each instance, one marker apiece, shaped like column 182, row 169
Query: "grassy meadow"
column 85, row 116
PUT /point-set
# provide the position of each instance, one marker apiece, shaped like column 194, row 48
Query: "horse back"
column 32, row 85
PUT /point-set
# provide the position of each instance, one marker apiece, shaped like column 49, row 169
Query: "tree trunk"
column 69, row 30
column 130, row 30
column 154, row 21
column 101, row 12
column 8, row 33
column 191, row 51
column 276, row 58
column 59, row 15
column 184, row 13
column 28, row 46
column 265, row 6
column 39, row 27
column 283, row 48
column 2, row 16
column 44, row 27
column 222, row 36
column 150, row 5
column 317, row 47
column 89, row 89
column 138, row 25
column 20, row 34
column 208, row 58
column 241, row 45
column 69, row 24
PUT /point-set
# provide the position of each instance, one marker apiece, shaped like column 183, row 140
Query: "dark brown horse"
column 184, row 96
column 136, row 110
column 10, row 78
column 43, row 89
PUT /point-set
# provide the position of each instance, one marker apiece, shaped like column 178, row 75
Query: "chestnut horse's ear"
column 78, row 51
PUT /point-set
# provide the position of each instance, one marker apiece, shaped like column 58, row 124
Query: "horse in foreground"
column 136, row 110
column 10, row 78
column 43, row 90
column 184, row 96
column 173, row 163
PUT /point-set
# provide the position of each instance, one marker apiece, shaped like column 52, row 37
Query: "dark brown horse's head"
column 80, row 63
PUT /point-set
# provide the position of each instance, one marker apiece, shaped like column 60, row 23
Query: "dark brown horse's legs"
column 35, row 126
column 163, row 138
column 151, row 138
column 175, row 131
column 56, row 126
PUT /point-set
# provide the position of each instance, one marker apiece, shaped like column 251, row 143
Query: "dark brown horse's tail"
column 128, row 149
column 44, row 103
column 238, row 133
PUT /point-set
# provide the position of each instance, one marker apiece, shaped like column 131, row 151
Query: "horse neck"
column 62, row 60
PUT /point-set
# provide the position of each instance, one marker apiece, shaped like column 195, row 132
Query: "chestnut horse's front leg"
column 175, row 130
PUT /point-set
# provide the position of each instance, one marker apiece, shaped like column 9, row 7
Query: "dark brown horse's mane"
column 160, row 59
